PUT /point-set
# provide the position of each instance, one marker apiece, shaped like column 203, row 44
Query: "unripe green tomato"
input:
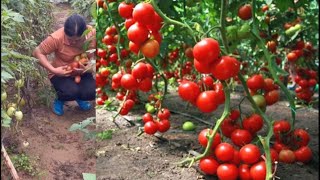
column 21, row 102
column 188, row 126
column 244, row 31
column 293, row 29
column 19, row 83
column 4, row 96
column 14, row 105
column 18, row 115
column 260, row 101
column 151, row 109
column 232, row 32
column 101, row 10
column 10, row 111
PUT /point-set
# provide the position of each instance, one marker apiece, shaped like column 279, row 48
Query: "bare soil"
column 54, row 151
column 128, row 156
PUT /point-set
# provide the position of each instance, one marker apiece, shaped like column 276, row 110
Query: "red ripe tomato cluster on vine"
column 143, row 25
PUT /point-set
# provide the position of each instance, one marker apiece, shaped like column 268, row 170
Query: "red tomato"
column 156, row 24
column 218, row 88
column 204, row 68
column 258, row 171
column 303, row 154
column 145, row 85
column 280, row 127
column 244, row 172
column 228, row 126
column 147, row 117
column 128, row 104
column 272, row 97
column 129, row 82
column 225, row 68
column 245, row 12
column 287, row 156
column 274, row 155
column 112, row 30
column 143, row 13
column 157, row 36
column 206, row 101
column 99, row 101
column 241, row 137
column 301, row 137
column 265, row 8
column 208, row 81
column 189, row 91
column 139, row 70
column 108, row 40
column 189, row 52
column 234, row 114
column 163, row 125
column 150, row 127
column 164, row 113
column 236, row 157
column 249, row 154
column 150, row 71
column 255, row 82
column 224, row 152
column 150, row 48
column 134, row 47
column 253, row 123
column 203, row 140
column 101, row 53
column 128, row 23
column 292, row 57
column 208, row 165
column 227, row 172
column 125, row 9
column 278, row 146
column 272, row 46
column 206, row 51
column 138, row 33
column 269, row 84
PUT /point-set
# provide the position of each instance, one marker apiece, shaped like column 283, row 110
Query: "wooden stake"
column 8, row 162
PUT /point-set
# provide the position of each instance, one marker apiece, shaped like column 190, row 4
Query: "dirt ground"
column 54, row 151
column 128, row 156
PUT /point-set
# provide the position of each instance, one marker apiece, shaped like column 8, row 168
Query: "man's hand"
column 62, row 71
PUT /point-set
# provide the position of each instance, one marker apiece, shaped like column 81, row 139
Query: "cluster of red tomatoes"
column 207, row 100
column 107, row 56
column 143, row 25
column 243, row 160
column 292, row 145
column 306, row 81
column 259, row 85
column 161, row 123
column 239, row 159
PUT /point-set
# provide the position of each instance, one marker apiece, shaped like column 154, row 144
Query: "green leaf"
column 5, row 76
column 283, row 4
column 89, row 176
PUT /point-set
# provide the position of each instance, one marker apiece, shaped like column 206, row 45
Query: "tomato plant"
column 260, row 46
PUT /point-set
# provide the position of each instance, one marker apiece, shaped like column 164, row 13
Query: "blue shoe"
column 84, row 105
column 58, row 107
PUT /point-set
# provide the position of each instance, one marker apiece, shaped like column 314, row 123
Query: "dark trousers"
column 68, row 90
